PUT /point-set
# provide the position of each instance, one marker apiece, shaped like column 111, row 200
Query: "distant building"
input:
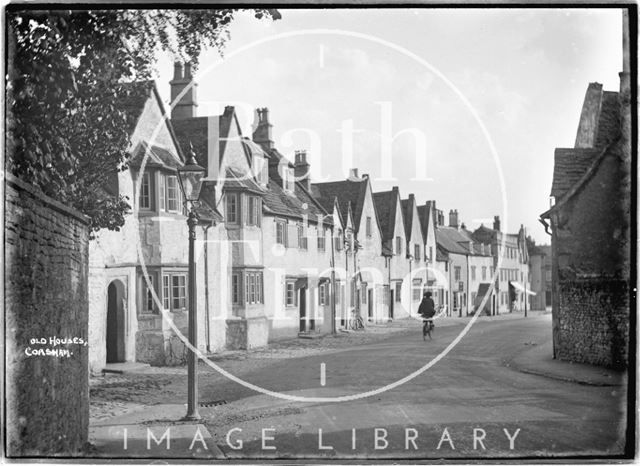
column 590, row 227
column 511, row 262
column 540, row 270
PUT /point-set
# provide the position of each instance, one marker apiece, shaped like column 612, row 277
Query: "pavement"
column 159, row 431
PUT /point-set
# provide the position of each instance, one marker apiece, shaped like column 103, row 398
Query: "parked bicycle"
column 356, row 322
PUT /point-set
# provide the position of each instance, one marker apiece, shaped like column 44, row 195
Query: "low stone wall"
column 593, row 322
column 247, row 333
column 46, row 270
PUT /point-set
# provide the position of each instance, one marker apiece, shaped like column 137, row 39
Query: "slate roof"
column 569, row 166
column 348, row 192
column 234, row 180
column 386, row 204
column 277, row 201
column 441, row 256
column 195, row 131
column 423, row 215
column 158, row 157
column 448, row 239
column 407, row 215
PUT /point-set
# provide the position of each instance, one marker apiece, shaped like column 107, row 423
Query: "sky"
column 461, row 106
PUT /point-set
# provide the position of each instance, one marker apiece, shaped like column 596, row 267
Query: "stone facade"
column 590, row 227
column 46, row 269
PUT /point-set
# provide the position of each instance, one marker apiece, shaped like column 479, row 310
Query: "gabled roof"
column 195, row 131
column 349, row 193
column 158, row 157
column 133, row 97
column 234, row 180
column 277, row 202
column 574, row 167
column 569, row 166
column 425, row 218
column 449, row 239
column 407, row 215
column 386, row 203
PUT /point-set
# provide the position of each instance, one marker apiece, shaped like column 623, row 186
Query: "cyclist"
column 427, row 310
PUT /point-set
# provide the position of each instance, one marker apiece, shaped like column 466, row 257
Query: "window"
column 416, row 251
column 368, row 227
column 232, row 207
column 473, row 297
column 430, row 253
column 398, row 245
column 456, row 273
column 253, row 288
column 178, row 291
column 338, row 240
column 323, row 294
column 166, row 292
column 174, row 291
column 253, row 211
column 290, row 293
column 281, row 233
column 417, row 289
column 363, row 294
column 288, row 180
column 173, row 194
column 548, row 275
column 398, row 291
column 302, row 240
column 446, row 266
column 321, row 239
column 521, row 277
column 473, row 272
column 484, row 272
column 491, row 270
column 163, row 194
column 145, row 191
column 236, row 287
column 149, row 305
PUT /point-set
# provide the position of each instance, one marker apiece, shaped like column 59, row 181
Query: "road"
column 470, row 404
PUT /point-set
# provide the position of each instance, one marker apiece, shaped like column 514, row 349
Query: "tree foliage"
column 69, row 73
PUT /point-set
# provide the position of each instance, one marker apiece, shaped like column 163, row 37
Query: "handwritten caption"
column 53, row 346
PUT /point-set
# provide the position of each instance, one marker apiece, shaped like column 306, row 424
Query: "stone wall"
column 46, row 269
column 593, row 320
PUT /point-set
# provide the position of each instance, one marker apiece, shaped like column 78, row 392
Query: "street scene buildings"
column 309, row 297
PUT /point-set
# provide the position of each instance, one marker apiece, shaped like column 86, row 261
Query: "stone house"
column 142, row 268
column 368, row 291
column 590, row 227
column 394, row 244
column 437, row 271
column 511, row 261
column 416, row 256
column 540, row 270
column 274, row 273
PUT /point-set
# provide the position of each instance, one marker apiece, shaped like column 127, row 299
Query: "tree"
column 69, row 73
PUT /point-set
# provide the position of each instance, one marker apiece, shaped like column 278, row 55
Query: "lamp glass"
column 190, row 177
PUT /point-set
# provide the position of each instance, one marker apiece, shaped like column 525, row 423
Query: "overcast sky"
column 524, row 72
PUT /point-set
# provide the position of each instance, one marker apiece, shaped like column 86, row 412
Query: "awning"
column 521, row 288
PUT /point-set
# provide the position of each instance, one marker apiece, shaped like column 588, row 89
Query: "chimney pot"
column 177, row 70
column 184, row 84
column 353, row 173
column 262, row 131
column 496, row 222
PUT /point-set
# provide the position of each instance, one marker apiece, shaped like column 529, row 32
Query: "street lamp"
column 190, row 176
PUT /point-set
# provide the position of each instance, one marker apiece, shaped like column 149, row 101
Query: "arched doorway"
column 115, row 322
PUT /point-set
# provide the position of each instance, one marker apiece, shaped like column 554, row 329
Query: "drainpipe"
column 206, row 287
column 333, row 285
column 467, row 291
column 410, row 288
column 388, row 260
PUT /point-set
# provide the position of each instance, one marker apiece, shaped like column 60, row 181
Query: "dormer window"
column 288, row 180
column 170, row 196
column 260, row 170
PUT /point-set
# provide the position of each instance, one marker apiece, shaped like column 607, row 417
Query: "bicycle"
column 356, row 323
column 427, row 328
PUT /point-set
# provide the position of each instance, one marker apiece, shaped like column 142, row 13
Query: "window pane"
column 145, row 192
column 166, row 292
column 149, row 296
column 173, row 198
column 163, row 194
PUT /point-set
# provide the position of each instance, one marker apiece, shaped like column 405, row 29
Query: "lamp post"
column 190, row 176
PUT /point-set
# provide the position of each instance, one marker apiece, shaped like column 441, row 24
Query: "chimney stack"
column 496, row 222
column 185, row 106
column 262, row 132
column 453, row 218
column 301, row 169
column 353, row 174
